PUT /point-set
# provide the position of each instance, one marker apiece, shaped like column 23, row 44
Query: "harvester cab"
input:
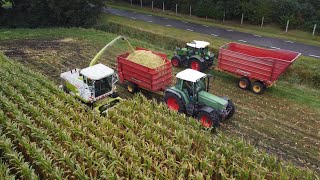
column 94, row 85
column 191, row 95
column 195, row 55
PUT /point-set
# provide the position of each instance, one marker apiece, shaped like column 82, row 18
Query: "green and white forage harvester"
column 195, row 55
column 94, row 85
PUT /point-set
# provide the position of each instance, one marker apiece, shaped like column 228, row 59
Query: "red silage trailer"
column 138, row 76
column 256, row 67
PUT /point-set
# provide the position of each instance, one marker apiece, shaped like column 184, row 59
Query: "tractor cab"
column 191, row 95
column 90, row 84
column 195, row 55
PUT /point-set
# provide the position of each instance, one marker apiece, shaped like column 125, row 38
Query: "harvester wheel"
column 195, row 64
column 244, row 83
column 174, row 102
column 175, row 62
column 209, row 120
column 258, row 87
column 132, row 88
column 232, row 111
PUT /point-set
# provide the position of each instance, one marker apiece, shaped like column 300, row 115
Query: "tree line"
column 50, row 13
column 303, row 14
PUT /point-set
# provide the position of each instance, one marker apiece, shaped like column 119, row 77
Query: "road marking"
column 314, row 56
column 121, row 9
column 134, row 12
column 189, row 30
column 150, row 21
column 214, row 35
column 165, row 18
column 149, row 15
column 184, row 22
column 257, row 35
column 274, row 47
column 205, row 26
column 118, row 14
column 168, row 25
column 242, row 41
column 229, row 30
column 289, row 41
column 133, row 18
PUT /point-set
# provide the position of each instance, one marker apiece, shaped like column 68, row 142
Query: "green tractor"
column 191, row 96
column 195, row 55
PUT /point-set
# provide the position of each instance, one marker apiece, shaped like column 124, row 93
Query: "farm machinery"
column 195, row 55
column 189, row 95
column 94, row 85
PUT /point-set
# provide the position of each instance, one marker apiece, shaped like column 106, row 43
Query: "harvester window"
column 103, row 86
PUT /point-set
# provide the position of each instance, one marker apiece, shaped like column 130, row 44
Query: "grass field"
column 284, row 121
column 267, row 30
column 47, row 134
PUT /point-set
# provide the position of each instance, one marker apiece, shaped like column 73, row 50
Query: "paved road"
column 305, row 49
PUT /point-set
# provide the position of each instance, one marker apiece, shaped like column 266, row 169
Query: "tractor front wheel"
column 209, row 120
column 175, row 62
column 232, row 109
column 195, row 64
column 174, row 102
column 258, row 87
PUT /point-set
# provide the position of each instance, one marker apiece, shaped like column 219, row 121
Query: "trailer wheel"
column 258, row 87
column 244, row 83
column 175, row 62
column 209, row 120
column 195, row 64
column 132, row 88
column 174, row 102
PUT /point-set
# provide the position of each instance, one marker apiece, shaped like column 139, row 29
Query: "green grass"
column 7, row 5
column 267, row 30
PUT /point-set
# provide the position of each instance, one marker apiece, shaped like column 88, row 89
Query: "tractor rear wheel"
column 132, row 88
column 209, row 120
column 258, row 87
column 174, row 102
column 195, row 64
column 244, row 83
column 175, row 62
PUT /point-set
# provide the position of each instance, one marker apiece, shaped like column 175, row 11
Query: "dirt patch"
column 276, row 125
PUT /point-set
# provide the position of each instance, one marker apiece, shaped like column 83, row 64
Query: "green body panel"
column 71, row 87
column 184, row 95
column 108, row 103
column 205, row 54
column 212, row 100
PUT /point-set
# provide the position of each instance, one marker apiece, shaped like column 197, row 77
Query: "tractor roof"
column 198, row 44
column 190, row 75
column 97, row 72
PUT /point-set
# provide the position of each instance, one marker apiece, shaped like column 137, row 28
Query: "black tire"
column 200, row 65
column 176, row 61
column 258, row 87
column 65, row 89
column 213, row 119
column 132, row 88
column 168, row 99
column 244, row 83
column 114, row 95
column 232, row 111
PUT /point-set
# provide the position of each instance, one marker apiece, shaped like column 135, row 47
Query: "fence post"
column 141, row 3
column 287, row 25
column 176, row 9
column 242, row 19
column 224, row 16
column 314, row 30
column 190, row 10
column 262, row 21
column 163, row 6
column 131, row 2
column 152, row 5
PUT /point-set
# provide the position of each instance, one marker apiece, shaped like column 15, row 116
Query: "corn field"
column 46, row 134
